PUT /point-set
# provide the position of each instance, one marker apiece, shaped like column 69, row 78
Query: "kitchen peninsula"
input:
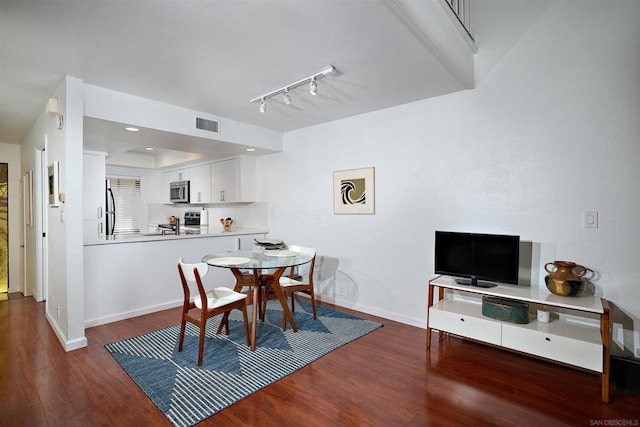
column 131, row 276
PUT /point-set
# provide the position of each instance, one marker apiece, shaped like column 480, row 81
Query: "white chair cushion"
column 287, row 281
column 219, row 297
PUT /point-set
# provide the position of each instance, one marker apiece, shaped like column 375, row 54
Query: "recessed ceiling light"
column 132, row 129
column 250, row 149
column 149, row 148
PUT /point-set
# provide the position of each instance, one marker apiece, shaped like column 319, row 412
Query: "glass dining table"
column 259, row 269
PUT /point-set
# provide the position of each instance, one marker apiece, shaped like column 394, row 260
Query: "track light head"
column 313, row 87
column 285, row 97
column 263, row 106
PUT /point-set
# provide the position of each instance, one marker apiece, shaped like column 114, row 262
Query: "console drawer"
column 550, row 341
column 464, row 319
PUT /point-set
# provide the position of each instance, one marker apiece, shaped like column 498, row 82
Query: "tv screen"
column 484, row 257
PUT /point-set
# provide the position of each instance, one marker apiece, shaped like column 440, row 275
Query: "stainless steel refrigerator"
column 110, row 204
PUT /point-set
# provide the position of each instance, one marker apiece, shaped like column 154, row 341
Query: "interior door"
column 39, row 251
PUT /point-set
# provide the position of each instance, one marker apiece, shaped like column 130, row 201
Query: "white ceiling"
column 214, row 56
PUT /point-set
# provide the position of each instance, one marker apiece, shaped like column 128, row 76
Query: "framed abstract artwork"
column 354, row 191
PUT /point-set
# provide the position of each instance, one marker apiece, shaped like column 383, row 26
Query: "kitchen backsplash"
column 252, row 215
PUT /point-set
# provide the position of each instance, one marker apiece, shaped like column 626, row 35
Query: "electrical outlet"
column 341, row 289
column 58, row 313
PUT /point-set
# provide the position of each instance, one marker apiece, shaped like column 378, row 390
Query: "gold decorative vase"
column 565, row 278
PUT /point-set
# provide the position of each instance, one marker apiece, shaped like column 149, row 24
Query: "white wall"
column 550, row 131
column 65, row 291
column 10, row 154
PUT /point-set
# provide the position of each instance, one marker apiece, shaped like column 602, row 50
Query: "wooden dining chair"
column 205, row 305
column 299, row 279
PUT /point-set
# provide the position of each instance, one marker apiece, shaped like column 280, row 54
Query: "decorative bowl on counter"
column 226, row 224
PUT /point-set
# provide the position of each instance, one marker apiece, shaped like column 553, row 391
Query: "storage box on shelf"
column 576, row 344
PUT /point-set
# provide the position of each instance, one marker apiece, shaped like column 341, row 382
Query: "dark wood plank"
column 385, row 378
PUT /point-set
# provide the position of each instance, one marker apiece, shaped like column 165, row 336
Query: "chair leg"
column 246, row 324
column 293, row 304
column 263, row 302
column 284, row 322
column 220, row 326
column 203, row 326
column 313, row 304
column 183, row 325
column 284, row 317
column 225, row 322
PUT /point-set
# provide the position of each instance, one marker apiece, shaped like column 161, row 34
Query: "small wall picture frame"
column 354, row 191
column 53, row 182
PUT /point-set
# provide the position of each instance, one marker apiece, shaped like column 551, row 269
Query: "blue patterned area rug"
column 187, row 393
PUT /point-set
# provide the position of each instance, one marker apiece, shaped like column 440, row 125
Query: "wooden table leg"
column 273, row 280
column 251, row 280
column 256, row 304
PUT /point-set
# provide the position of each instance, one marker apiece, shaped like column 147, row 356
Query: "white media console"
column 565, row 339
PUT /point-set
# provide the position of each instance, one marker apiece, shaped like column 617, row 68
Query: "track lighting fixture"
column 313, row 87
column 286, row 98
column 285, row 90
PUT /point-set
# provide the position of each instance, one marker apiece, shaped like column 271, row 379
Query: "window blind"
column 126, row 192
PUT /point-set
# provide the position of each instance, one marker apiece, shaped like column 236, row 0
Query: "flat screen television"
column 478, row 259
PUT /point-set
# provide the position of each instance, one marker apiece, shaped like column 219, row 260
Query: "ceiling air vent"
column 208, row 125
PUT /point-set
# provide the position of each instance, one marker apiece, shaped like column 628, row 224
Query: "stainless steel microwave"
column 179, row 191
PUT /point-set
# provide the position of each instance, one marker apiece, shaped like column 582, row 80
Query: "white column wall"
column 550, row 131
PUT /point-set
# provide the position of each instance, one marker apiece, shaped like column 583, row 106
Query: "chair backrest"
column 305, row 270
column 190, row 274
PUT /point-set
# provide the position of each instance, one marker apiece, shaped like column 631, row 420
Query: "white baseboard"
column 68, row 345
column 419, row 323
column 89, row 323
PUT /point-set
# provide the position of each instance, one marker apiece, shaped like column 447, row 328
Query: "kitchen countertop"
column 154, row 236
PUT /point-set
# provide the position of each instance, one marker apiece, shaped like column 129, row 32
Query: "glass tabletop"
column 268, row 259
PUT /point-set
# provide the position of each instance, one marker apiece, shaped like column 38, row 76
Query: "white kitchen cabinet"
column 167, row 178
column 233, row 180
column 200, row 184
column 178, row 175
column 93, row 194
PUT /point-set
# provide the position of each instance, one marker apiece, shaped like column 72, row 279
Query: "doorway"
column 4, row 230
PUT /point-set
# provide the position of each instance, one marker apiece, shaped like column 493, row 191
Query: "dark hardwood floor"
column 386, row 378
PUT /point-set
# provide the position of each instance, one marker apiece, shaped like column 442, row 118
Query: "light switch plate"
column 590, row 219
